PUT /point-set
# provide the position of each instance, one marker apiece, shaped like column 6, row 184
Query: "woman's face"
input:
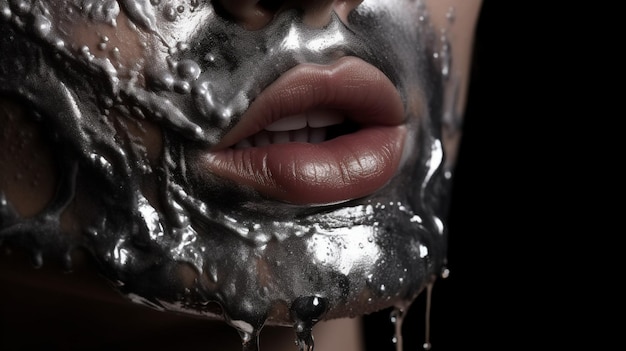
column 265, row 162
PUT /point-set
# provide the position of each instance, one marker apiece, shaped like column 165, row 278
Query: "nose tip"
column 256, row 14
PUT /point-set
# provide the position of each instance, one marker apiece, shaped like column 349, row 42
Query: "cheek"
column 144, row 135
column 122, row 43
column 416, row 116
column 28, row 174
column 416, row 109
column 29, row 171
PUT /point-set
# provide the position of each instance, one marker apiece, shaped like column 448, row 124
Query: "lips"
column 279, row 147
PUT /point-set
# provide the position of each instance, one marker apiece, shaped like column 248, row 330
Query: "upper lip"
column 341, row 169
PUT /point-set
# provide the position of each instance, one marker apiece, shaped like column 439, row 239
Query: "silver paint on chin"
column 260, row 261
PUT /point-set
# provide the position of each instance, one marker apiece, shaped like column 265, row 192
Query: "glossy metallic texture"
column 245, row 258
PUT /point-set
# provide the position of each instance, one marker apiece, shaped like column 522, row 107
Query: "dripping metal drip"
column 397, row 319
column 429, row 292
column 306, row 312
column 250, row 342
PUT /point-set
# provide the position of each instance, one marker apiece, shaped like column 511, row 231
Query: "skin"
column 29, row 186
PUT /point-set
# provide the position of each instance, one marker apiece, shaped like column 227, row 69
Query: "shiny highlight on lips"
column 344, row 168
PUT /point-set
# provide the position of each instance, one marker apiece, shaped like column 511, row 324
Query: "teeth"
column 280, row 137
column 314, row 119
column 320, row 119
column 300, row 135
column 317, row 135
column 245, row 143
column 262, row 139
column 288, row 123
column 307, row 127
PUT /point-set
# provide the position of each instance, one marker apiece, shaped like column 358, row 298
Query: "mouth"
column 320, row 134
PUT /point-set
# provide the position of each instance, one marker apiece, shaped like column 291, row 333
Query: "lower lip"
column 341, row 169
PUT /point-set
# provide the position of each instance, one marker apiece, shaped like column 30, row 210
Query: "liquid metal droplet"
column 307, row 311
column 169, row 12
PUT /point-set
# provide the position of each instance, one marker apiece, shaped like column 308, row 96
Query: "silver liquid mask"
column 247, row 259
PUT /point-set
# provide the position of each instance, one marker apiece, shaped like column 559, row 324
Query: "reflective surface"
column 173, row 236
